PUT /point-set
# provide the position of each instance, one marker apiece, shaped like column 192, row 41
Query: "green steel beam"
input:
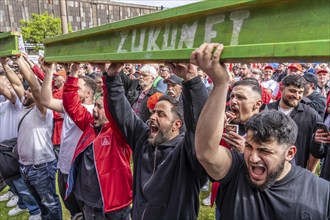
column 251, row 30
column 9, row 44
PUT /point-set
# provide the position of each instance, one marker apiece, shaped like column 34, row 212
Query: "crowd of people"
column 131, row 141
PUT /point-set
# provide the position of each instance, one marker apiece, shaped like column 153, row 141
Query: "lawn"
column 206, row 213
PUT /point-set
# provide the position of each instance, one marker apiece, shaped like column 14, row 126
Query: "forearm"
column 121, row 111
column 215, row 159
column 14, row 80
column 8, row 94
column 194, row 98
column 72, row 104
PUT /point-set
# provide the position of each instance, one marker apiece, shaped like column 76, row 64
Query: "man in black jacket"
column 317, row 101
column 322, row 150
column 167, row 175
column 139, row 90
column 305, row 117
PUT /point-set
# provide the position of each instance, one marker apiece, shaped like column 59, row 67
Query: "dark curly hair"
column 272, row 125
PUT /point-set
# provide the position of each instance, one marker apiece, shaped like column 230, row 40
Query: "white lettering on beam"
column 166, row 35
column 188, row 35
column 141, row 43
column 238, row 18
column 123, row 36
column 153, row 35
column 210, row 22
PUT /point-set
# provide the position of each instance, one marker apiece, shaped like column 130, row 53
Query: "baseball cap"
column 311, row 78
column 174, row 79
column 296, row 66
column 60, row 73
column 269, row 67
column 322, row 71
column 153, row 99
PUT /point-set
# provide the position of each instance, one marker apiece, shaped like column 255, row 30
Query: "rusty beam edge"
column 240, row 53
column 186, row 11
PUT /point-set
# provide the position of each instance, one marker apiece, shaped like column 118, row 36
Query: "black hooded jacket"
column 167, row 179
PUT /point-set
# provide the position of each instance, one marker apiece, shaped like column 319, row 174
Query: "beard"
column 27, row 102
column 160, row 137
column 290, row 104
column 271, row 177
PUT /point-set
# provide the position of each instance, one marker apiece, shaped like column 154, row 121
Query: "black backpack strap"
column 20, row 122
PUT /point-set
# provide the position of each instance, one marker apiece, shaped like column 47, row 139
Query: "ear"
column 177, row 124
column 257, row 105
column 290, row 153
column 281, row 88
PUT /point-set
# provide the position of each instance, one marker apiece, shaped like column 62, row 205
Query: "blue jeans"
column 25, row 199
column 40, row 180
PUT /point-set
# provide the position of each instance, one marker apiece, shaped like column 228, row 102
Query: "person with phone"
column 321, row 149
column 245, row 101
column 261, row 183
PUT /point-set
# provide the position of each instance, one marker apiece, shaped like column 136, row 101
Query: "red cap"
column 296, row 66
column 269, row 67
column 152, row 101
column 322, row 71
column 61, row 73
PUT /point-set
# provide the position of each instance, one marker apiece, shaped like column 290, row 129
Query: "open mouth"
column 234, row 110
column 257, row 171
column 153, row 128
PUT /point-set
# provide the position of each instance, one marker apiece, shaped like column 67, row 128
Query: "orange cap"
column 152, row 101
column 61, row 73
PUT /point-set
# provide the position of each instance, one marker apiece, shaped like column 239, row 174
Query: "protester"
column 323, row 81
column 160, row 152
column 315, row 99
column 100, row 175
column 139, row 90
column 70, row 132
column 10, row 112
column 261, row 183
column 305, row 117
column 174, row 87
column 322, row 138
column 268, row 83
column 35, row 149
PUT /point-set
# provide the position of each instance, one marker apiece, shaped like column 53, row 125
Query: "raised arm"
column 46, row 89
column 13, row 78
column 130, row 125
column 72, row 103
column 6, row 90
column 215, row 159
column 33, row 82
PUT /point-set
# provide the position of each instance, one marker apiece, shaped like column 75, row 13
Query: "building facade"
column 81, row 14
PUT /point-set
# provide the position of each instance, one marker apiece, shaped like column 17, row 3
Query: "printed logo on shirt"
column 105, row 141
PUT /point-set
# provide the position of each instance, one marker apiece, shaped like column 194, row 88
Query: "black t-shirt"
column 299, row 195
column 87, row 188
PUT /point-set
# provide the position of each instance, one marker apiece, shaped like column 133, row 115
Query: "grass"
column 205, row 213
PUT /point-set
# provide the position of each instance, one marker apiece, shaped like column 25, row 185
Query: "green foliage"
column 39, row 27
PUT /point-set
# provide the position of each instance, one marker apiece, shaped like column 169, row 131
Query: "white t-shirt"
column 34, row 143
column 69, row 140
column 270, row 84
column 10, row 116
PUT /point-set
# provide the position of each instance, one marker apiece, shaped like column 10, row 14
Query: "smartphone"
column 231, row 127
column 322, row 126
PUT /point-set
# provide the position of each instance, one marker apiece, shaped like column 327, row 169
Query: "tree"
column 39, row 27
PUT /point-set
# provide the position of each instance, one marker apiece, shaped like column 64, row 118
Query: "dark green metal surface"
column 9, row 44
column 251, row 30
